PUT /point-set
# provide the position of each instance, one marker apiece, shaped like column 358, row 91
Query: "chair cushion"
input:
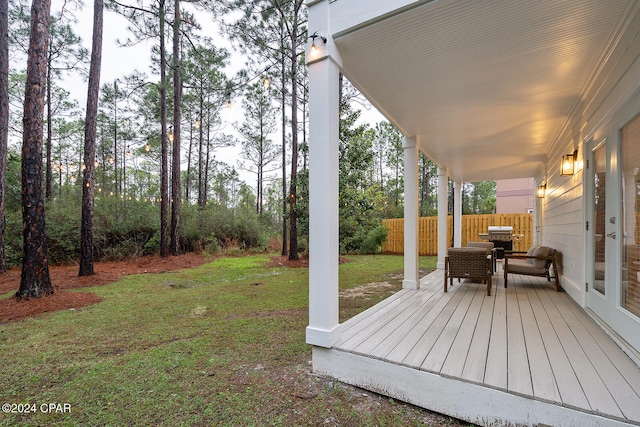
column 530, row 253
column 521, row 266
column 486, row 245
column 541, row 251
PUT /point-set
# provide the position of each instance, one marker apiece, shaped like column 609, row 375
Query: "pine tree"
column 4, row 118
column 88, row 182
column 35, row 280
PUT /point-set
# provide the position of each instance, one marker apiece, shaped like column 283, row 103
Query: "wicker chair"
column 467, row 263
column 489, row 248
column 535, row 262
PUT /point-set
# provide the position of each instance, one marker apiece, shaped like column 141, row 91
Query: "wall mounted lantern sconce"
column 542, row 191
column 568, row 164
column 313, row 38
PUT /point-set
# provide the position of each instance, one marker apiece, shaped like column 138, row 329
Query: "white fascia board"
column 350, row 15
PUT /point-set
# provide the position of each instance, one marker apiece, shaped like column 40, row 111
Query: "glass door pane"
column 631, row 216
column 599, row 215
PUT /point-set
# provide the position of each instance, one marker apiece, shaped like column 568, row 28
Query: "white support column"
column 457, row 214
column 324, row 326
column 443, row 203
column 411, row 279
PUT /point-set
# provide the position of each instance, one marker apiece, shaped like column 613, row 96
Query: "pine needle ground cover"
column 219, row 344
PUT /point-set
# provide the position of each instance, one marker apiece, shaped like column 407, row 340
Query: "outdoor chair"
column 489, row 247
column 535, row 262
column 467, row 263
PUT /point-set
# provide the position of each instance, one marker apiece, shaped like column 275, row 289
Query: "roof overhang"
column 486, row 86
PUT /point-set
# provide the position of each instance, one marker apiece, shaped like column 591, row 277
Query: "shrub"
column 124, row 228
column 215, row 226
column 372, row 243
column 63, row 230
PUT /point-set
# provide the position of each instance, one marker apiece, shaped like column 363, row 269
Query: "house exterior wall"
column 610, row 101
column 514, row 196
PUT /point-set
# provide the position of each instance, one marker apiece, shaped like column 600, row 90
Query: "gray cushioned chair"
column 536, row 262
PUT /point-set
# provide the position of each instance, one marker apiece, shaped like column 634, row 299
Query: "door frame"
column 608, row 308
column 595, row 300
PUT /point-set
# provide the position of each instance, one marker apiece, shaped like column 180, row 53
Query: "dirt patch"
column 283, row 261
column 66, row 277
column 367, row 290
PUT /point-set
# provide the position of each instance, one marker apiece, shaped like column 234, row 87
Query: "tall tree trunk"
column 164, row 167
column 293, row 220
column 205, row 183
column 47, row 173
column 115, row 143
column 201, row 150
column 260, row 171
column 285, row 251
column 35, row 280
column 90, row 131
column 187, row 185
column 175, row 170
column 4, row 118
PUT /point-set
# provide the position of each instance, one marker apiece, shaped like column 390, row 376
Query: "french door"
column 613, row 220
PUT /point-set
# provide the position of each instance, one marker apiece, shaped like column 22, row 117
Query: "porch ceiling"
column 485, row 85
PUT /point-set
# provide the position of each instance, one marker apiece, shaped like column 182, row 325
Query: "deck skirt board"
column 526, row 340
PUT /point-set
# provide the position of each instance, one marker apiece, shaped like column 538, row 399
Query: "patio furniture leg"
column 506, row 262
column 446, row 274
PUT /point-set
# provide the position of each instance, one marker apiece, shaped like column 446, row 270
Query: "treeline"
column 153, row 166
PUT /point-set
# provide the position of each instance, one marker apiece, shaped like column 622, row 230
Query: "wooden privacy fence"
column 472, row 225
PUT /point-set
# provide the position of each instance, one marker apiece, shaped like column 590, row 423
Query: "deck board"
column 599, row 398
column 526, row 339
column 416, row 341
column 495, row 374
column 409, row 325
column 459, row 351
column 423, row 346
column 440, row 350
column 542, row 378
column 518, row 374
column 475, row 364
column 571, row 392
column 620, row 390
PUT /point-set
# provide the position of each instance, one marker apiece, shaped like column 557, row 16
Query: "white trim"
column 463, row 400
column 411, row 249
column 323, row 337
column 457, row 214
column 324, row 250
column 349, row 16
column 443, row 204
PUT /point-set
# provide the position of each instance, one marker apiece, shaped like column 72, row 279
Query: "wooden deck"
column 527, row 341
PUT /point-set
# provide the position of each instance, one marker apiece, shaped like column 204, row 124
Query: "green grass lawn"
column 221, row 344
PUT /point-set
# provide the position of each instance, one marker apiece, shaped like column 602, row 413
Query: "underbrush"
column 126, row 229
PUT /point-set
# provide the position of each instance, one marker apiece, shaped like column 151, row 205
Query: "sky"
column 118, row 61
